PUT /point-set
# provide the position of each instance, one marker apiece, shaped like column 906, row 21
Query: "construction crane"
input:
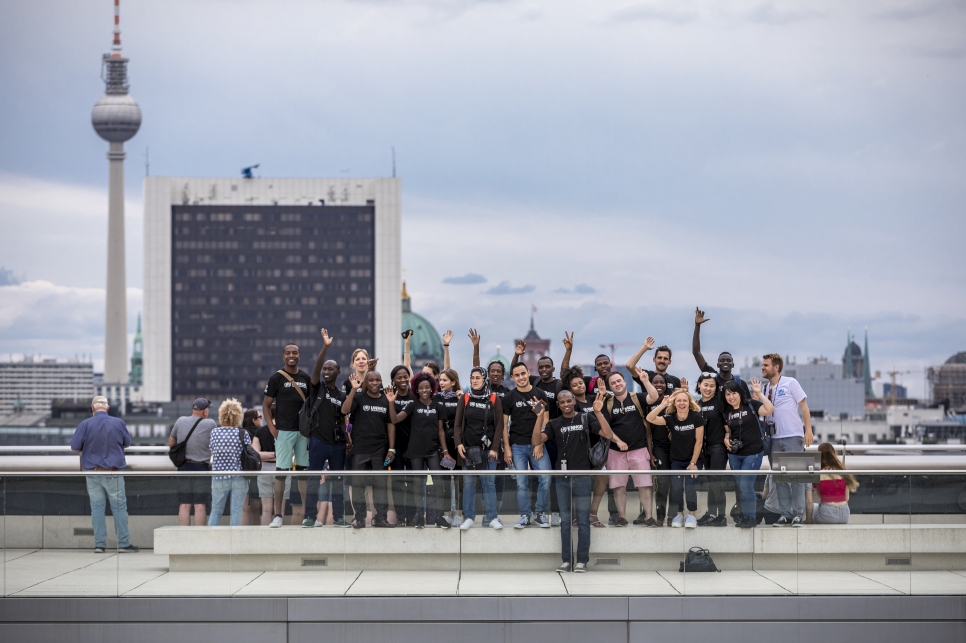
column 613, row 348
column 892, row 379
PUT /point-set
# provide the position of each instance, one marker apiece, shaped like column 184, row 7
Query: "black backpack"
column 250, row 460
column 179, row 452
column 698, row 560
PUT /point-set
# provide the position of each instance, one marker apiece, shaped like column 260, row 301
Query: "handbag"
column 698, row 560
column 250, row 460
column 179, row 452
column 596, row 453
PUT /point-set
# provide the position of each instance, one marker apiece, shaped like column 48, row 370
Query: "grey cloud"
column 8, row 278
column 468, row 278
column 504, row 288
column 916, row 9
column 579, row 289
column 671, row 12
column 779, row 13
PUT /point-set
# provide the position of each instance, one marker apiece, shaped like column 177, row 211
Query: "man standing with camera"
column 791, row 434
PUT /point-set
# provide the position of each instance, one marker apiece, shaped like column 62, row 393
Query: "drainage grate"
column 898, row 561
column 315, row 562
column 607, row 561
column 83, row 531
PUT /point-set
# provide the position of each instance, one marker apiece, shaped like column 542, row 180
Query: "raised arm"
column 447, row 338
column 699, row 319
column 320, row 360
column 475, row 338
column 652, row 395
column 356, row 382
column 408, row 353
column 605, row 430
column 518, row 352
column 636, row 357
column 766, row 408
column 654, row 417
column 568, row 342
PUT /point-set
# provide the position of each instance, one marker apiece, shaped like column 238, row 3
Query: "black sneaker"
column 442, row 524
column 717, row 521
column 130, row 549
column 641, row 520
column 747, row 523
column 705, row 520
column 420, row 522
column 382, row 524
column 98, row 550
column 782, row 522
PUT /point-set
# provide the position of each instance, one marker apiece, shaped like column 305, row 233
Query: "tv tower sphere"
column 116, row 117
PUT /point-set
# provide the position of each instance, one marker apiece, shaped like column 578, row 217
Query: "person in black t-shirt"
column 662, row 359
column 715, row 453
column 625, row 414
column 662, row 451
column 686, row 430
column 426, row 439
column 573, row 381
column 744, row 443
column 726, row 363
column 327, row 442
column 288, row 388
column 602, row 366
column 373, row 440
column 449, row 397
column 402, row 486
column 572, row 433
column 520, row 406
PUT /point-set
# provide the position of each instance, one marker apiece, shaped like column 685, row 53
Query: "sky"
column 793, row 168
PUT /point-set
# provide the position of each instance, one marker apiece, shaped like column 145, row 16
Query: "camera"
column 563, row 465
column 406, row 334
column 769, row 428
column 736, row 445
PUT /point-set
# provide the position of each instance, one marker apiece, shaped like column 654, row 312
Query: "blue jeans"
column 319, row 452
column 791, row 495
column 220, row 488
column 574, row 491
column 489, row 494
column 522, row 460
column 746, row 484
column 677, row 493
column 104, row 489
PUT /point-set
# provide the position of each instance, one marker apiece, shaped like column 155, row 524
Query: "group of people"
column 428, row 421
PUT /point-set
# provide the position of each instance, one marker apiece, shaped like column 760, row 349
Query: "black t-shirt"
column 404, row 403
column 478, row 419
column 522, row 418
column 572, row 440
column 448, row 404
column 713, row 413
column 720, row 380
column 670, row 381
column 288, row 402
column 551, row 389
column 424, row 429
column 265, row 439
column 683, row 433
column 330, row 413
column 659, row 434
column 744, row 426
column 370, row 415
column 626, row 422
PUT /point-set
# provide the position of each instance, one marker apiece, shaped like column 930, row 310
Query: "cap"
column 200, row 404
column 100, row 400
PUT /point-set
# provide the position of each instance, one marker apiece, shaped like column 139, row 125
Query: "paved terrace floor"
column 67, row 573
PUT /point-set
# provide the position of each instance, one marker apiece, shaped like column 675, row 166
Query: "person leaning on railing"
column 833, row 491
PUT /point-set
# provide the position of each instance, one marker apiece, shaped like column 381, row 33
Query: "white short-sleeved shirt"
column 786, row 396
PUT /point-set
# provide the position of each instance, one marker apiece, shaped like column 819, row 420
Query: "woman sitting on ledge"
column 833, row 491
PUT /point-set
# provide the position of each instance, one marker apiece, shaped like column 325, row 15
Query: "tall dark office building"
column 230, row 281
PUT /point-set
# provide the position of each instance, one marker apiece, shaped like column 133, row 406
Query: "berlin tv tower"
column 116, row 118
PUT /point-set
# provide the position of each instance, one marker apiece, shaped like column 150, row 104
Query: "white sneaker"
column 496, row 524
column 555, row 519
column 678, row 521
column 690, row 522
column 319, row 523
column 276, row 522
column 523, row 522
column 466, row 524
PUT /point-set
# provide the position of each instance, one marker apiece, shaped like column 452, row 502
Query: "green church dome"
column 499, row 358
column 426, row 344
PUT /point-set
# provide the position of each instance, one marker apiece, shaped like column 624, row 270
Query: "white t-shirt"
column 786, row 396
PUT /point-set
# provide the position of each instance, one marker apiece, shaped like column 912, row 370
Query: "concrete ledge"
column 863, row 547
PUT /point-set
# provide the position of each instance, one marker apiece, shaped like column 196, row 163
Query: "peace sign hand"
column 568, row 341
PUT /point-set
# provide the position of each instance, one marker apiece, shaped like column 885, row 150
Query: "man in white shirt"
column 792, row 433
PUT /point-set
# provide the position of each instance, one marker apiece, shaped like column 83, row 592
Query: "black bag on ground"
column 179, row 452
column 698, row 560
column 250, row 460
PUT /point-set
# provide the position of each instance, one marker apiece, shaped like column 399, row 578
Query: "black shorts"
column 194, row 490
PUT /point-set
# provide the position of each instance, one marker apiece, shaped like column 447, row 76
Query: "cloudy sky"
column 795, row 168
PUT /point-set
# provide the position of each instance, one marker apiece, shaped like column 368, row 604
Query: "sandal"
column 595, row 521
